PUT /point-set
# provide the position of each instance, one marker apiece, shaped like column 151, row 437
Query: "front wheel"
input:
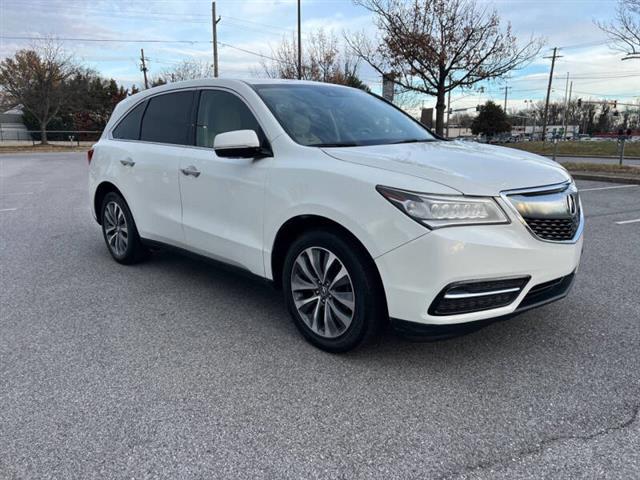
column 332, row 291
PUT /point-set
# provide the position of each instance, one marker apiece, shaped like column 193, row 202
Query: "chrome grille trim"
column 548, row 189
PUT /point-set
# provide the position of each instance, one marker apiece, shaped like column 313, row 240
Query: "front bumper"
column 414, row 274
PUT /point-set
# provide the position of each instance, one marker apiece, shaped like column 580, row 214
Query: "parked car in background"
column 351, row 207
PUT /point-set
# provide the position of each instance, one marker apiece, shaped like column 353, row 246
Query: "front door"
column 223, row 198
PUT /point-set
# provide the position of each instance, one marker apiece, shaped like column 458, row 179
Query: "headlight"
column 437, row 211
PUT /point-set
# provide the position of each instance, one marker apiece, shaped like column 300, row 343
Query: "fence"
column 57, row 137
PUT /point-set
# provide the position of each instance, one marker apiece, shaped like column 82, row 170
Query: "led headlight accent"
column 437, row 211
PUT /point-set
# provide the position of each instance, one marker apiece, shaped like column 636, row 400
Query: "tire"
column 119, row 230
column 328, row 321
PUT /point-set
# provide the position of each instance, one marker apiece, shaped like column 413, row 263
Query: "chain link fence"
column 22, row 137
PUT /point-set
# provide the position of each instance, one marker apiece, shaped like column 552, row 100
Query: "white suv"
column 353, row 208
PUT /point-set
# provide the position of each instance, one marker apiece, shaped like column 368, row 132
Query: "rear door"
column 223, row 198
column 153, row 190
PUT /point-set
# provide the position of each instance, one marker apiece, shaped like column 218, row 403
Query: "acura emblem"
column 571, row 205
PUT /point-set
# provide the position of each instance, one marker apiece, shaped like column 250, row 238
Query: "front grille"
column 476, row 295
column 552, row 214
column 554, row 229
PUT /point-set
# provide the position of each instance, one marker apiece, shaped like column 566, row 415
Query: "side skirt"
column 234, row 269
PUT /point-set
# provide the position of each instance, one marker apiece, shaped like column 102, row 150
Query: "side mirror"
column 238, row 144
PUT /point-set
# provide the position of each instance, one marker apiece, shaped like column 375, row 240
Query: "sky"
column 172, row 30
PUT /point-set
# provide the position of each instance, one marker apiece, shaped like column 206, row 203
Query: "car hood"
column 470, row 168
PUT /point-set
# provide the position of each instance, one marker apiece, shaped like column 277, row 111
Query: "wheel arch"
column 296, row 226
column 101, row 191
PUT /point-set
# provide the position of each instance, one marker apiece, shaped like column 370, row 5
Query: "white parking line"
column 606, row 188
column 8, row 209
column 624, row 222
column 29, row 183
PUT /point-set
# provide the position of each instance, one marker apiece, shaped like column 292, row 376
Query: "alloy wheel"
column 115, row 228
column 322, row 292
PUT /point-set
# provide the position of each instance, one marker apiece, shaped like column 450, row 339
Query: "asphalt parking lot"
column 177, row 369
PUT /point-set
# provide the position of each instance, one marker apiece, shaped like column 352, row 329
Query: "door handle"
column 127, row 162
column 191, row 170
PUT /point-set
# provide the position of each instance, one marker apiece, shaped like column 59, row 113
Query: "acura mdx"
column 353, row 208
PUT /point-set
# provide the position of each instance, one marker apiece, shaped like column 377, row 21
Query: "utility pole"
column 506, row 91
column 564, row 114
column 566, row 108
column 214, row 27
column 546, row 104
column 299, row 45
column 143, row 68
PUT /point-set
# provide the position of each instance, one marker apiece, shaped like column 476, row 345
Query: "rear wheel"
column 332, row 291
column 119, row 230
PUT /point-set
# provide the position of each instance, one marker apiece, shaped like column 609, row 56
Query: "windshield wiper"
column 413, row 140
column 320, row 145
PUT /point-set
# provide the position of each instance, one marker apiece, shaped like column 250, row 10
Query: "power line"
column 606, row 94
column 594, row 43
column 580, row 76
column 108, row 40
column 238, row 25
column 125, row 14
column 105, row 40
column 274, row 27
column 257, row 54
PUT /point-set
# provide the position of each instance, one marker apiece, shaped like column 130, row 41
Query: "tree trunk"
column 440, row 108
column 43, row 133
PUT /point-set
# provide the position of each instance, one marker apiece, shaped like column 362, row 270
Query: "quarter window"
column 168, row 119
column 221, row 112
column 129, row 126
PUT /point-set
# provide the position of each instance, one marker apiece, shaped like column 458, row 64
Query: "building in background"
column 11, row 126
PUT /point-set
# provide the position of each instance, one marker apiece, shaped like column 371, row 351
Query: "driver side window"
column 220, row 112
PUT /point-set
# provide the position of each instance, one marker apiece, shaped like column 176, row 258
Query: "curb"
column 605, row 178
column 597, row 157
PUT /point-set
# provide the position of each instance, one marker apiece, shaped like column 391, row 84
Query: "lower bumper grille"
column 477, row 295
column 547, row 292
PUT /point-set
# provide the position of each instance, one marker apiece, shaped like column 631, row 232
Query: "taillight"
column 89, row 155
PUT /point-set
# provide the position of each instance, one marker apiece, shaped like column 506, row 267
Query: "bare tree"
column 624, row 30
column 435, row 46
column 323, row 61
column 188, row 69
column 409, row 100
column 36, row 80
column 5, row 101
column 462, row 120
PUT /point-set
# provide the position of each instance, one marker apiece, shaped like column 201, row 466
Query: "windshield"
column 330, row 116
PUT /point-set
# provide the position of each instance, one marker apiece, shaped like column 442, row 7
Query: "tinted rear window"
column 168, row 119
column 129, row 127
